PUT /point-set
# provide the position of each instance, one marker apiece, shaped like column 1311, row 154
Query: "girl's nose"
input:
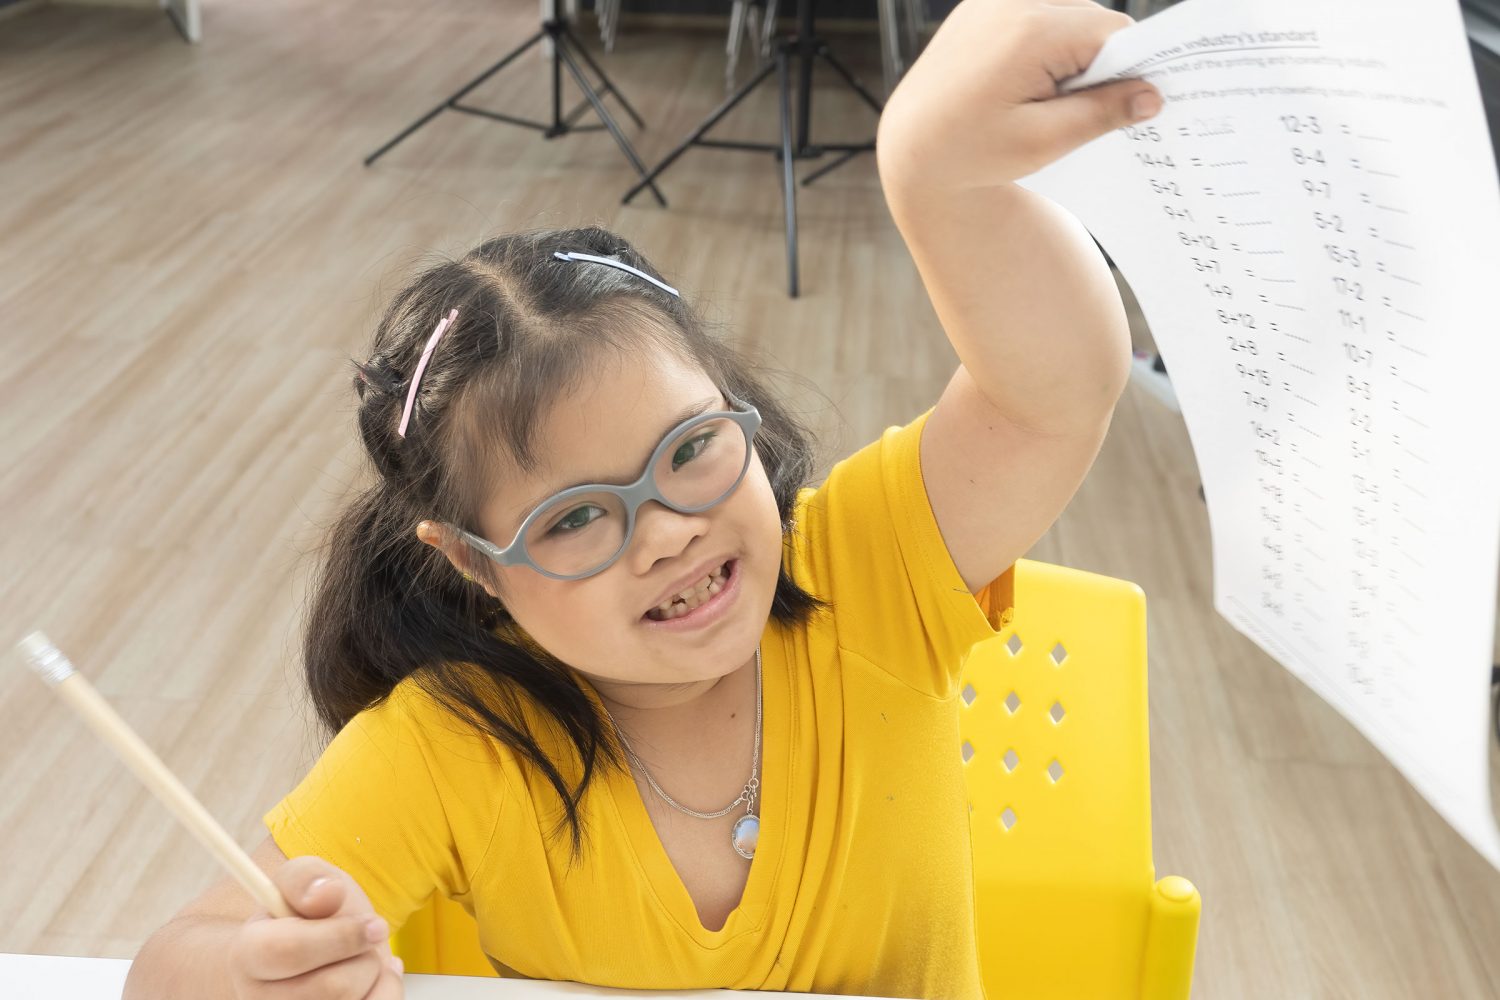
column 662, row 533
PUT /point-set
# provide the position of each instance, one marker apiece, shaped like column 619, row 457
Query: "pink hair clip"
column 416, row 378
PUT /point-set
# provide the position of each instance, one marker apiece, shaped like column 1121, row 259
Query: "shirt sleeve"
column 867, row 541
column 383, row 804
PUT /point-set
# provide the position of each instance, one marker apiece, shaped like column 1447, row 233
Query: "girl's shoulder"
column 419, row 714
column 867, row 498
column 867, row 542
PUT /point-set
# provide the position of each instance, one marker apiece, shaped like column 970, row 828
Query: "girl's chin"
column 709, row 662
column 659, row 692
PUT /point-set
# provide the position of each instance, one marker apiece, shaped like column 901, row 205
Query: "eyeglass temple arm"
column 486, row 546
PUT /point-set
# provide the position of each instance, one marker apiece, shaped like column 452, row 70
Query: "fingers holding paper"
column 981, row 107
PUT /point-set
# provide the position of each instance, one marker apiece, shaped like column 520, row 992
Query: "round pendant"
column 746, row 835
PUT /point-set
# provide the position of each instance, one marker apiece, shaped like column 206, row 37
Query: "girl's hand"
column 329, row 951
column 980, row 107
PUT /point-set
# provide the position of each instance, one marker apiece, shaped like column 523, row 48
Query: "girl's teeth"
column 701, row 589
column 693, row 597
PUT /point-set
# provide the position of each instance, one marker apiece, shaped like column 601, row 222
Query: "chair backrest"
column 441, row 939
column 1053, row 732
column 1054, row 735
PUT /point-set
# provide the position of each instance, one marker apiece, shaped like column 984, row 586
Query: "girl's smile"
column 705, row 606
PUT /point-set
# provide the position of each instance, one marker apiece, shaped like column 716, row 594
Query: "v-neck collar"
column 776, row 758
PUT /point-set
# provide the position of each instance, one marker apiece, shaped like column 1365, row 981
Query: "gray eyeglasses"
column 583, row 529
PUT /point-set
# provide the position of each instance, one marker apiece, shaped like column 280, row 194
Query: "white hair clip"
column 570, row 256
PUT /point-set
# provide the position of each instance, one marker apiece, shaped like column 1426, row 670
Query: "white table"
column 52, row 977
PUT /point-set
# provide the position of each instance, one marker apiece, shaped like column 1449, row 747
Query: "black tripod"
column 563, row 46
column 805, row 48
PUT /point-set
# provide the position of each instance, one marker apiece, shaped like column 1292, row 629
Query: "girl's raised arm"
column 1023, row 294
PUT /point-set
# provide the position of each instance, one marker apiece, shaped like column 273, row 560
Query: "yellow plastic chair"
column 441, row 939
column 1054, row 739
column 1054, row 734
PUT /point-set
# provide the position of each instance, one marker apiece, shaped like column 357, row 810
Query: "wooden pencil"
column 53, row 667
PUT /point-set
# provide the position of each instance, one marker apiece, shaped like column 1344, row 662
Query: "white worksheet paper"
column 1310, row 227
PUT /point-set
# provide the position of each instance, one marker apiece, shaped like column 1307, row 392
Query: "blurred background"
column 192, row 246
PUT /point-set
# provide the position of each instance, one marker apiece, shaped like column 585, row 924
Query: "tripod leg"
column 456, row 97
column 562, row 49
column 849, row 78
column 555, row 30
column 708, row 123
column 830, row 167
column 577, row 112
column 868, row 98
column 608, row 84
column 807, row 50
column 788, row 181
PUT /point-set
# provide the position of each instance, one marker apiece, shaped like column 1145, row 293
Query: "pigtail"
column 382, row 391
column 377, row 376
column 350, row 648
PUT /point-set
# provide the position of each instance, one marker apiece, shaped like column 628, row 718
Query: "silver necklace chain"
column 751, row 787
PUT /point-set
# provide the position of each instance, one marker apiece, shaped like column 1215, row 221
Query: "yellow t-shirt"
column 862, row 881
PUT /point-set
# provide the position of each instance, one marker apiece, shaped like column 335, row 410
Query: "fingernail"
column 1144, row 105
column 377, row 930
column 313, row 887
column 397, row 966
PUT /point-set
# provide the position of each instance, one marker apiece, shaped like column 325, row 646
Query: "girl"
column 599, row 664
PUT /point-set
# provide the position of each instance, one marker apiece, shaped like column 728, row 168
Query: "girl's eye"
column 573, row 520
column 687, row 453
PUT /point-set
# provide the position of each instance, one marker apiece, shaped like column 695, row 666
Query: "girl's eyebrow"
column 688, row 412
column 691, row 410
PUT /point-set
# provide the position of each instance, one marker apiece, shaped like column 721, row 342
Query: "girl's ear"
column 446, row 540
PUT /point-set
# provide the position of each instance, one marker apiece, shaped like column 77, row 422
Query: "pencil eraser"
column 45, row 658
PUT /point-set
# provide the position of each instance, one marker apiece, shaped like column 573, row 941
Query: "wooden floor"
column 189, row 251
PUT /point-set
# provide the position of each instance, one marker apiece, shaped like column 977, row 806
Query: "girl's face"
column 605, row 433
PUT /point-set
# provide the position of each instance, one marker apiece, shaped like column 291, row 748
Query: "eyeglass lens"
column 700, row 467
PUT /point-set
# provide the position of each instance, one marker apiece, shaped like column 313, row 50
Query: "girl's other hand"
column 336, row 948
column 980, row 107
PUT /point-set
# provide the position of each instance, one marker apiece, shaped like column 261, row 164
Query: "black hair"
column 385, row 605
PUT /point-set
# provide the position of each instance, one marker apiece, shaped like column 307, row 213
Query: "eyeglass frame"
column 633, row 496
